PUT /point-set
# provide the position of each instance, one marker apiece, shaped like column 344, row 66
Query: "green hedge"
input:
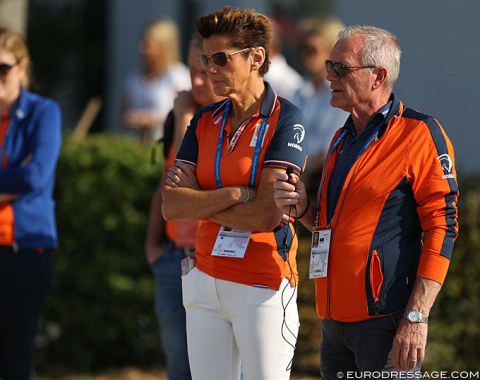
column 100, row 313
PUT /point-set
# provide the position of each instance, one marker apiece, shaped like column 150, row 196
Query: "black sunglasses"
column 5, row 68
column 220, row 58
column 340, row 69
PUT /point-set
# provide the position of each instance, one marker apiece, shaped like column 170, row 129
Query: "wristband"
column 306, row 210
column 248, row 196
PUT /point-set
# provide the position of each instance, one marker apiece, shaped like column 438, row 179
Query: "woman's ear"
column 258, row 57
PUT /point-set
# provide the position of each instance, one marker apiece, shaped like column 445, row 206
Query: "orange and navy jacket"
column 270, row 256
column 29, row 153
column 396, row 218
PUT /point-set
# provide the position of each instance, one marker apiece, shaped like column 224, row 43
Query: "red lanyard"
column 3, row 133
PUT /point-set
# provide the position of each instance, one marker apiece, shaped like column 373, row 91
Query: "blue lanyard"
column 335, row 146
column 256, row 153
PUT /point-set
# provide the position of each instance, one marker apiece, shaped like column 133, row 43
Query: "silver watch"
column 414, row 316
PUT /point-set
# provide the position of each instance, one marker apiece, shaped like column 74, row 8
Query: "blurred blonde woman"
column 149, row 92
column 30, row 139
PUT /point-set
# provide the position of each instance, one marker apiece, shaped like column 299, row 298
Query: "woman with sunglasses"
column 240, row 296
column 30, row 140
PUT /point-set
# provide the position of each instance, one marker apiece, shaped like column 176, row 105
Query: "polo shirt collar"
column 385, row 113
column 266, row 109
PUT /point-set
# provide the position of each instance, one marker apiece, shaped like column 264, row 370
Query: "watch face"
column 414, row 316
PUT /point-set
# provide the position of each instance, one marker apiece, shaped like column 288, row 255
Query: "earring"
column 254, row 68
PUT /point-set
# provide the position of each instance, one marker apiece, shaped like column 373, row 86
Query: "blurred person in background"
column 169, row 242
column 30, row 141
column 239, row 291
column 316, row 38
column 283, row 78
column 149, row 93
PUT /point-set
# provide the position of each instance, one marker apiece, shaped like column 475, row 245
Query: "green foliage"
column 100, row 313
column 454, row 324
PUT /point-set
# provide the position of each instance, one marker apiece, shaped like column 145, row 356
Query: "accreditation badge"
column 231, row 243
column 320, row 252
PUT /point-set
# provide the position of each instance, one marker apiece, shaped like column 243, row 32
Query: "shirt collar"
column 19, row 108
column 384, row 113
column 267, row 107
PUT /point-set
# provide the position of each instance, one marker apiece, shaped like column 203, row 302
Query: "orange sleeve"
column 434, row 182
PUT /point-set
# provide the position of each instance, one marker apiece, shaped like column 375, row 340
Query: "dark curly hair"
column 245, row 27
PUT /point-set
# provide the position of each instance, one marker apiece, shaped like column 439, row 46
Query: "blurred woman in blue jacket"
column 30, row 140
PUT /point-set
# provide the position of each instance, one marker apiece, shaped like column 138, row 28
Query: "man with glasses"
column 387, row 212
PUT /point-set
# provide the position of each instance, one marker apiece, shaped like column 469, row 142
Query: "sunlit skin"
column 361, row 91
column 235, row 79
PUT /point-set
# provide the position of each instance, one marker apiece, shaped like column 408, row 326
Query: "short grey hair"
column 381, row 49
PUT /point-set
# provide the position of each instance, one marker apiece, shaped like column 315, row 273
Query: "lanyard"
column 256, row 153
column 5, row 131
column 335, row 145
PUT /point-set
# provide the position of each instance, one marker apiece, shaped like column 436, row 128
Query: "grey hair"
column 381, row 49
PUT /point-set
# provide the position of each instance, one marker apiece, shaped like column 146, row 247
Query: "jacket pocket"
column 376, row 276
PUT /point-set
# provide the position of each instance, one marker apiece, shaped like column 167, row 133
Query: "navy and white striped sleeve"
column 289, row 143
column 188, row 152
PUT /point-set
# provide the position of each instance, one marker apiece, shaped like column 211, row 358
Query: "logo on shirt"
column 299, row 135
column 447, row 165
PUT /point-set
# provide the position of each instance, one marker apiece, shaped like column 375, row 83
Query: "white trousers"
column 230, row 323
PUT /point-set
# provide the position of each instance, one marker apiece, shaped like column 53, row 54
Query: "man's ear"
column 381, row 77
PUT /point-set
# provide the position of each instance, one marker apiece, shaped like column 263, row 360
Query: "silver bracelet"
column 248, row 196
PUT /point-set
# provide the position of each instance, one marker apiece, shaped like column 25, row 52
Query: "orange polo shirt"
column 267, row 261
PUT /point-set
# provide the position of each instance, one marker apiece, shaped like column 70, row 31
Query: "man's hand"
column 288, row 192
column 409, row 345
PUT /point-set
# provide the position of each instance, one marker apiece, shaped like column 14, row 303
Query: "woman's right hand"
column 182, row 175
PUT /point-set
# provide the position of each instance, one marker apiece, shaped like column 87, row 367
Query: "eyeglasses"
column 5, row 68
column 220, row 58
column 340, row 69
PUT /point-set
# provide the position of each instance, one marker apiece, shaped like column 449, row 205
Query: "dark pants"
column 25, row 279
column 357, row 346
column 171, row 313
